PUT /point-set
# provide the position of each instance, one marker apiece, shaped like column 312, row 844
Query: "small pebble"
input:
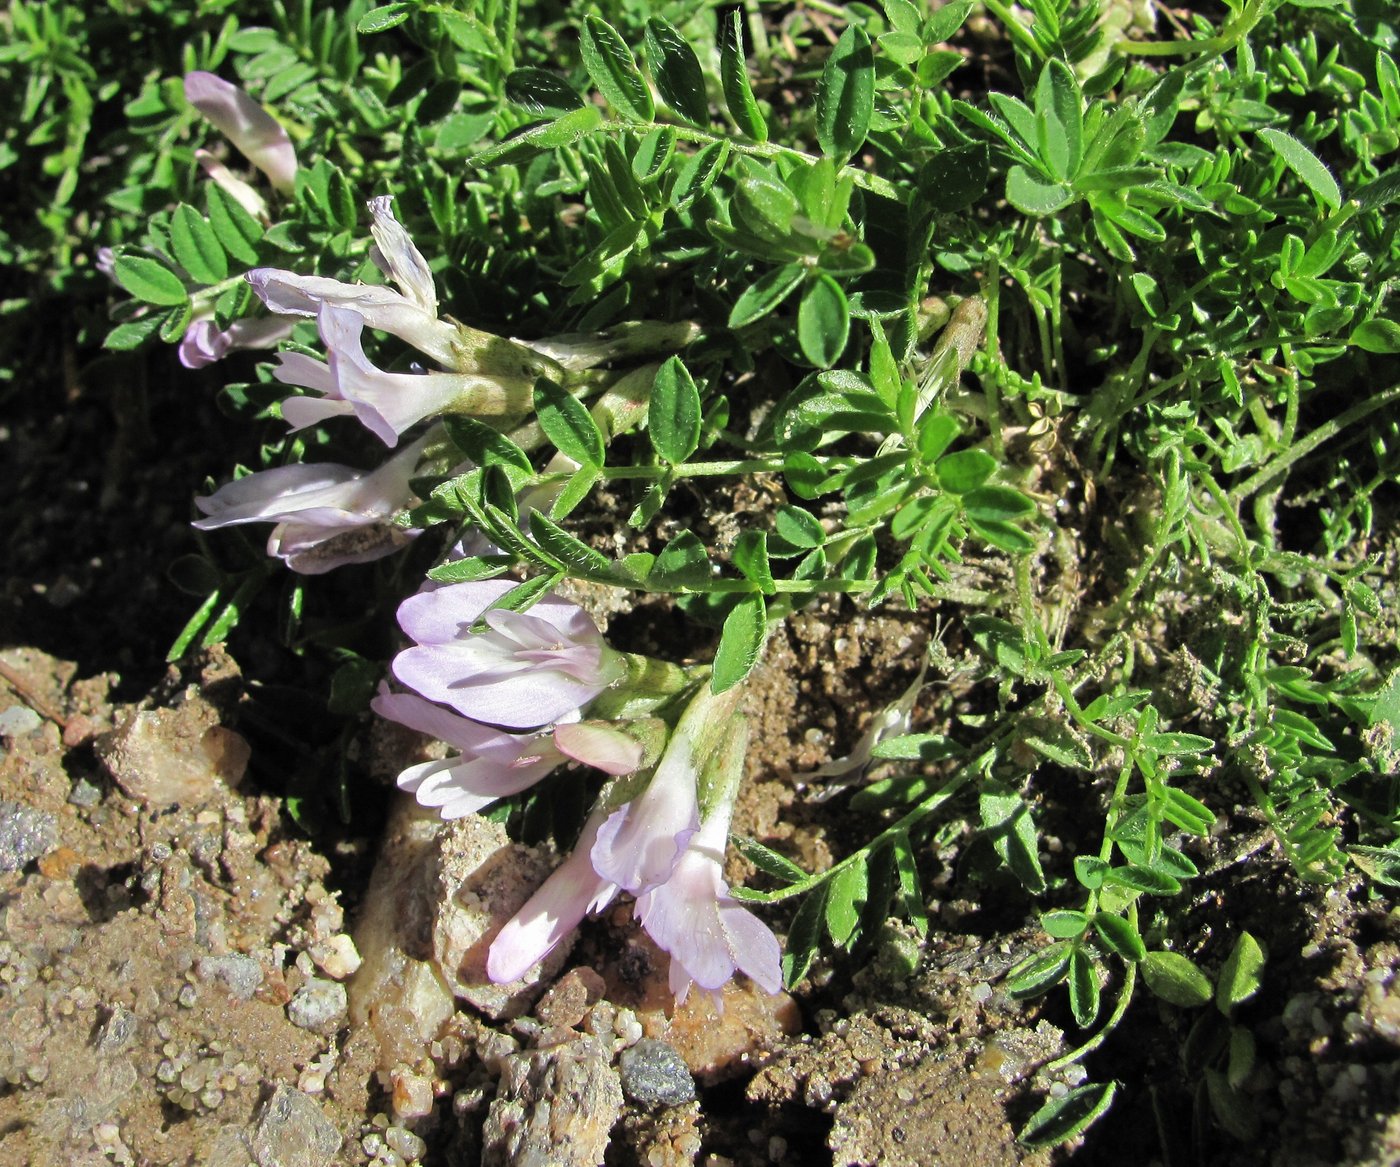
column 412, row 1095
column 25, row 834
column 240, row 974
column 336, row 956
column 84, row 794
column 319, row 1006
column 654, row 1074
column 18, row 720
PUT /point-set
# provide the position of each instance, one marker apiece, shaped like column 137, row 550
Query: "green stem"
column 902, row 826
column 1120, row 1007
column 1323, row 433
column 862, row 178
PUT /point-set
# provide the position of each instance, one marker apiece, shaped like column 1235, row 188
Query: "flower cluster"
column 537, row 672
column 508, row 691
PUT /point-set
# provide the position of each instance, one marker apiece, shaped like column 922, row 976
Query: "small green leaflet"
column 149, row 280
column 1061, row 1119
column 568, row 424
column 1306, row 166
column 823, row 321
column 849, row 889
column 1175, row 979
column 740, row 643
column 803, row 936
column 196, row 246
column 614, row 70
column 734, row 77
column 846, row 95
column 673, row 413
column 676, row 71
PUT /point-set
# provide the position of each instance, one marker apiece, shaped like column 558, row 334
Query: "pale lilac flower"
column 245, row 123
column 326, row 515
column 243, row 194
column 527, row 669
column 106, row 262
column 381, row 308
column 386, row 403
column 396, row 255
column 692, row 916
column 204, row 342
column 572, row 891
column 640, row 844
column 493, row 764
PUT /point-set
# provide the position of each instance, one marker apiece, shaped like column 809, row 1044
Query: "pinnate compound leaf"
column 614, row 71
column 673, row 413
column 676, row 71
column 846, row 95
column 1306, row 166
column 1175, row 979
column 740, row 643
column 1068, row 1116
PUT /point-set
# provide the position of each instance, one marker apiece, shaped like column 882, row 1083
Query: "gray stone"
column 292, row 1132
column 18, row 720
column 655, row 1074
column 554, row 1108
column 241, row 975
column 84, row 794
column 25, row 834
column 319, row 1006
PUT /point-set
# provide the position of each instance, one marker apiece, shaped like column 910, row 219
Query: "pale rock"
column 164, row 757
column 319, row 1006
column 397, row 990
column 483, row 879
column 715, row 1044
column 336, row 956
column 553, row 1106
column 291, row 1131
column 411, row 1093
